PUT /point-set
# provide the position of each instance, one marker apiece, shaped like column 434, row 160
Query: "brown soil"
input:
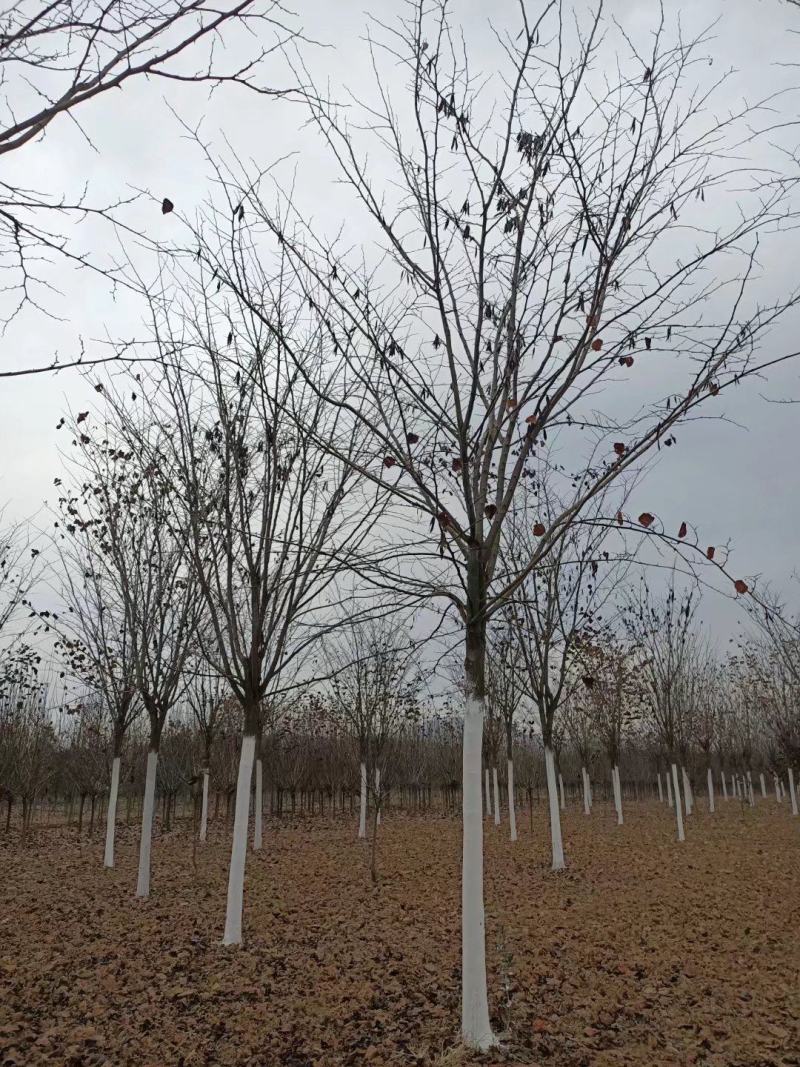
column 642, row 952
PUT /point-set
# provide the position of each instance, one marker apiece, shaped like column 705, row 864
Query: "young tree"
column 529, row 231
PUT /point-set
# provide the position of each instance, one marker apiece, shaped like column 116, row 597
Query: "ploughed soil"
column 642, row 952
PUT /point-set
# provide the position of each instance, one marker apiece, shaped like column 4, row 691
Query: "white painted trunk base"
column 678, row 812
column 258, row 804
column 668, row 776
column 763, row 787
column 750, row 794
column 561, row 791
column 660, row 789
column 362, row 810
column 204, row 807
column 724, row 786
column 233, row 912
column 617, row 788
column 556, row 842
column 496, row 797
column 587, row 807
column 777, row 789
column 792, row 791
column 111, row 814
column 512, row 811
column 488, row 792
column 476, row 1030
column 710, row 777
column 145, row 841
column 378, row 795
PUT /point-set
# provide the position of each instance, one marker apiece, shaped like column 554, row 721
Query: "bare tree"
column 544, row 238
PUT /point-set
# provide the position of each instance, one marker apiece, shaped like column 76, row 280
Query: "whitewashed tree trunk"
column 476, row 1030
column 556, row 842
column 660, row 789
column 512, row 811
column 724, row 786
column 763, row 786
column 496, row 797
column 488, row 792
column 777, row 789
column 204, row 807
column 792, row 791
column 143, row 880
column 258, row 805
column 678, row 813
column 710, row 791
column 233, row 913
column 378, row 795
column 561, row 791
column 687, row 791
column 362, row 811
column 587, row 807
column 750, row 794
column 782, row 788
column 111, row 814
column 668, row 776
column 617, row 794
column 589, row 784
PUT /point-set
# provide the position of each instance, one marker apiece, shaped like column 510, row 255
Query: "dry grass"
column 642, row 952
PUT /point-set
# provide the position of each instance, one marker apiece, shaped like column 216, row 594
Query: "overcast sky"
column 737, row 480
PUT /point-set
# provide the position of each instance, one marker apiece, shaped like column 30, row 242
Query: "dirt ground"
column 642, row 952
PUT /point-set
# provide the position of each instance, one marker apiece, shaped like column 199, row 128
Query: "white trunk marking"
column 763, row 786
column 488, row 792
column 792, row 791
column 660, row 790
column 617, row 788
column 378, row 794
column 258, row 836
column 362, row 811
column 204, row 807
column 512, row 812
column 233, row 913
column 555, row 816
column 111, row 814
column 476, row 1030
column 710, row 777
column 724, row 787
column 669, row 788
column 750, row 795
column 143, row 881
column 587, row 808
column 561, row 790
column 777, row 789
column 678, row 812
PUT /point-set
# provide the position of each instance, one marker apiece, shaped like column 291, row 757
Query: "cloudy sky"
column 735, row 480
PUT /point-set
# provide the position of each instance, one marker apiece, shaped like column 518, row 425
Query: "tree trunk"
column 792, row 791
column 556, row 843
column 257, row 808
column 111, row 814
column 677, row 793
column 496, row 797
column 687, row 791
column 710, row 791
column 235, row 902
column 561, row 791
column 377, row 800
column 487, row 791
column 362, row 810
column 617, row 793
column 91, row 816
column 204, row 807
column 763, row 786
column 80, row 812
column 668, row 776
column 660, row 790
column 587, row 808
column 724, row 786
column 145, row 841
column 512, row 808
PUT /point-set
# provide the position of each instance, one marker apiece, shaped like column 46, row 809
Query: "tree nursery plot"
column 642, row 951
